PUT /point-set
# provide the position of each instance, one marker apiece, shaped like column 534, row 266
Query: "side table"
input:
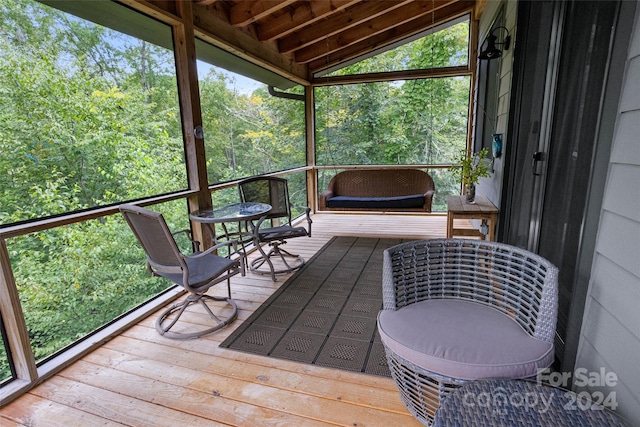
column 483, row 209
column 503, row 402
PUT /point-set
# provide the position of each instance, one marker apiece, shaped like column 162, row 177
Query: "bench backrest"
column 380, row 183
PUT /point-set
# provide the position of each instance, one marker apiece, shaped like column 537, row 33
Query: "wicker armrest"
column 324, row 196
column 428, row 200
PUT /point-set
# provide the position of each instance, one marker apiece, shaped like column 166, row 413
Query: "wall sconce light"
column 491, row 51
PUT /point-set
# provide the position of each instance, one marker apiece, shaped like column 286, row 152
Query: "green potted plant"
column 472, row 168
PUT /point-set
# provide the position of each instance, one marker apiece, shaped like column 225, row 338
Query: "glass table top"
column 231, row 213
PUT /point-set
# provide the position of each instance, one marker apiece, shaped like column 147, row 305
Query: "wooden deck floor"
column 142, row 379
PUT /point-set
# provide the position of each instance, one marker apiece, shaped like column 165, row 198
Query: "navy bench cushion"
column 399, row 202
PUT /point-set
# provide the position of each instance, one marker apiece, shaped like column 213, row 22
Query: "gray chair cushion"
column 202, row 270
column 462, row 339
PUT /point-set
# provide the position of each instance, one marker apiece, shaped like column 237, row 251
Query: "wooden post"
column 14, row 323
column 310, row 119
column 473, row 96
column 188, row 89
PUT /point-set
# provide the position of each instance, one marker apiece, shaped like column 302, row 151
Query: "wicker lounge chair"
column 456, row 310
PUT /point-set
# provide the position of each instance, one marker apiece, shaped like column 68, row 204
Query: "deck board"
column 140, row 378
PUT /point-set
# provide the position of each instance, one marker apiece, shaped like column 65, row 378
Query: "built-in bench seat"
column 379, row 189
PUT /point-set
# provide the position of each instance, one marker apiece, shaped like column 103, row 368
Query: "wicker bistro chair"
column 456, row 310
column 196, row 273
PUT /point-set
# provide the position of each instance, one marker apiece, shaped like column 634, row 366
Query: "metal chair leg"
column 276, row 251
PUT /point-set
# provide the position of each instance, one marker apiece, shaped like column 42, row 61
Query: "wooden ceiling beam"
column 163, row 11
column 389, row 76
column 249, row 11
column 480, row 7
column 338, row 22
column 304, row 14
column 368, row 29
column 214, row 29
column 392, row 35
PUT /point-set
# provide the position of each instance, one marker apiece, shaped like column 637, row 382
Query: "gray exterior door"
column 561, row 66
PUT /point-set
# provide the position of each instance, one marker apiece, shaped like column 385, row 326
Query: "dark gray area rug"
column 325, row 314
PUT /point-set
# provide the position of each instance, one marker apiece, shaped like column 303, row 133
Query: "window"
column 7, row 369
column 89, row 115
column 421, row 121
column 446, row 45
column 75, row 279
column 247, row 131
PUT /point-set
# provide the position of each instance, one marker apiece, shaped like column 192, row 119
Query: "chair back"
column 271, row 190
column 521, row 284
column 154, row 236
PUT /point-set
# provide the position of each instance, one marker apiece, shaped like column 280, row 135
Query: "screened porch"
column 187, row 98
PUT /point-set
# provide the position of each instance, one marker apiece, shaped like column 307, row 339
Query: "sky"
column 244, row 85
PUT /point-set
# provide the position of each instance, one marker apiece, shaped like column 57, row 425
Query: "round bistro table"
column 234, row 213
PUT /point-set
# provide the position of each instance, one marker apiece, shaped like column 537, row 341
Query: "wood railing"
column 28, row 372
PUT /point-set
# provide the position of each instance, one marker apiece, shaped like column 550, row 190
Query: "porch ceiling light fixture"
column 491, row 51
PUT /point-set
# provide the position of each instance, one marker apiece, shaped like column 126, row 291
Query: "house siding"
column 610, row 333
column 492, row 187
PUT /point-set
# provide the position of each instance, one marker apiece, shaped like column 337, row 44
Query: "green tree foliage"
column 88, row 117
column 413, row 122
column 73, row 138
column 420, row 121
column 249, row 134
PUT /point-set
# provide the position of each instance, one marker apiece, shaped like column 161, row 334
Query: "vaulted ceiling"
column 304, row 37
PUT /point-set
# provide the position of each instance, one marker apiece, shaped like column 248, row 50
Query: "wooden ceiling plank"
column 338, row 22
column 247, row 12
column 392, row 35
column 304, row 14
column 382, row 39
column 205, row 2
column 217, row 9
column 368, row 29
